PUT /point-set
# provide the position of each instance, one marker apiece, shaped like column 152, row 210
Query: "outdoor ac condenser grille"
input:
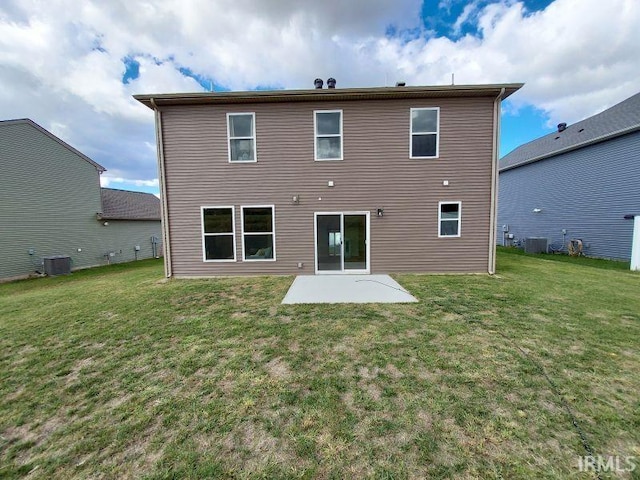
column 536, row 245
column 57, row 265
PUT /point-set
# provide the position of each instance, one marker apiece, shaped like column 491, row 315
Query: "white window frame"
column 253, row 137
column 316, row 136
column 233, row 234
column 412, row 133
column 440, row 219
column 273, row 232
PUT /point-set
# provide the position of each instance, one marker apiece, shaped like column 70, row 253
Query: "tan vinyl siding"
column 376, row 173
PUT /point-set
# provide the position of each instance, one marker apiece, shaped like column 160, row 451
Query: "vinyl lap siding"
column 49, row 197
column 122, row 236
column 376, row 173
column 587, row 192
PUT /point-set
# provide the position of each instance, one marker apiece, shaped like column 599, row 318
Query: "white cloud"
column 576, row 58
column 61, row 61
column 467, row 13
column 108, row 181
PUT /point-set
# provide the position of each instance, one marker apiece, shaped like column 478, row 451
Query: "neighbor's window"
column 424, row 132
column 241, row 131
column 328, row 134
column 258, row 233
column 218, row 234
column 449, row 219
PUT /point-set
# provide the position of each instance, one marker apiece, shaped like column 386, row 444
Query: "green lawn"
column 116, row 373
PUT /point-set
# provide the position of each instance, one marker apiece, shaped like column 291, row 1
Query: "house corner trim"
column 494, row 182
column 164, row 207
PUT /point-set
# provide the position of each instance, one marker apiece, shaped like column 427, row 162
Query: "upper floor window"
column 449, row 216
column 328, row 134
column 241, row 131
column 425, row 123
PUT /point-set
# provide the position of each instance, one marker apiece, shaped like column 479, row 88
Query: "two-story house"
column 575, row 186
column 354, row 180
column 51, row 205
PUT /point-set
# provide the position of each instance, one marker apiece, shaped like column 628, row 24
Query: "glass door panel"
column 329, row 238
column 355, row 242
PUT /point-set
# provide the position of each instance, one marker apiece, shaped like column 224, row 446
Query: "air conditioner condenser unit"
column 57, row 265
column 536, row 245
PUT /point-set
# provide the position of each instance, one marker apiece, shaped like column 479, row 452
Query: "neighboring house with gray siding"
column 582, row 179
column 51, row 204
column 132, row 218
column 357, row 180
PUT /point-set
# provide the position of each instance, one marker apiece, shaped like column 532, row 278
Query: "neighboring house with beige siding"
column 358, row 180
column 51, row 204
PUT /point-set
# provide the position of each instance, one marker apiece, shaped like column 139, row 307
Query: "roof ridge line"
column 575, row 146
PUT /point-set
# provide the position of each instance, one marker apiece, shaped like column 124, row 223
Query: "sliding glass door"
column 329, row 243
column 341, row 242
column 355, row 242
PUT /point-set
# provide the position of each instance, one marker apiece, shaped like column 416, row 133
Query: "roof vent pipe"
column 318, row 83
column 562, row 127
column 331, row 83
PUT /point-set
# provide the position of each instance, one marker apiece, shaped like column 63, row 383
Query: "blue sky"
column 517, row 126
column 73, row 66
column 453, row 19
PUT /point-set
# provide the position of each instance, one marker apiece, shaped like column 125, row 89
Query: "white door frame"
column 342, row 270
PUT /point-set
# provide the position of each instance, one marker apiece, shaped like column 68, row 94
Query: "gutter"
column 313, row 95
column 494, row 182
column 164, row 207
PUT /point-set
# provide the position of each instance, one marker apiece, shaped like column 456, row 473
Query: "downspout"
column 494, row 183
column 164, row 209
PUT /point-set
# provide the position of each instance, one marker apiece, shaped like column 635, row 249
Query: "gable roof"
column 328, row 94
column 46, row 132
column 615, row 121
column 128, row 205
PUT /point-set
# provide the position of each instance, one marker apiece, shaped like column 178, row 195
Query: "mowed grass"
column 115, row 373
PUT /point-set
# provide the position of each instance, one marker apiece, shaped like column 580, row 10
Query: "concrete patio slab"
column 346, row 289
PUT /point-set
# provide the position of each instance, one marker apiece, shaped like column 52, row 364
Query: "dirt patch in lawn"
column 367, row 373
column 250, row 447
column 37, row 434
column 80, row 365
column 278, row 369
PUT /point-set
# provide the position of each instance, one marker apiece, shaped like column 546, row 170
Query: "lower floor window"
column 218, row 233
column 449, row 215
column 258, row 233
column 218, row 247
